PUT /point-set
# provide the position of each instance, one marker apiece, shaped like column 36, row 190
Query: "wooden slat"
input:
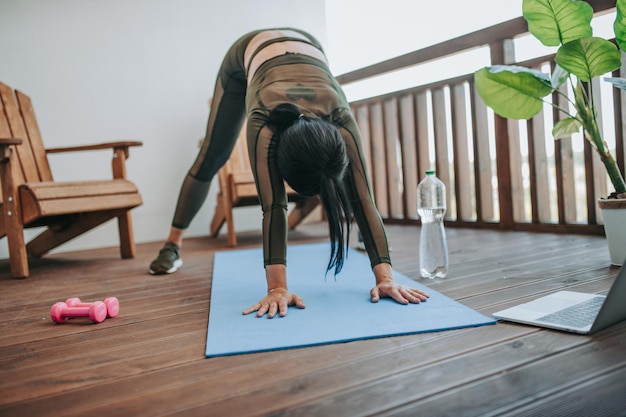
column 463, row 171
column 482, row 159
column 379, row 169
column 87, row 204
column 502, row 53
column 514, row 168
column 410, row 172
column 34, row 209
column 5, row 132
column 620, row 114
column 442, row 152
column 392, row 150
column 423, row 142
column 94, row 188
column 361, row 115
column 34, row 136
column 16, row 125
column 565, row 173
column 600, row 188
column 541, row 197
column 590, row 197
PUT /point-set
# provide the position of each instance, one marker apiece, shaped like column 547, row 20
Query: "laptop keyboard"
column 579, row 315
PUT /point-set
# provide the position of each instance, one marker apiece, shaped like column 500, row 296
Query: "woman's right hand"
column 278, row 301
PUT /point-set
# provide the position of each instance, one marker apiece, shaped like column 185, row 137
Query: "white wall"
column 132, row 69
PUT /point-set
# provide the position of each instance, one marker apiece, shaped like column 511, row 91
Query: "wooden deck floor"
column 149, row 361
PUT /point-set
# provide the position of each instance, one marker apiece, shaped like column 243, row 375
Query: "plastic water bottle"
column 431, row 207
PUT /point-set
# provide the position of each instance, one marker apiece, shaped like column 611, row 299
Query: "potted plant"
column 517, row 92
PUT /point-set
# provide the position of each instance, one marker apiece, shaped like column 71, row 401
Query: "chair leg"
column 14, row 228
column 224, row 214
column 127, row 239
column 219, row 217
column 17, row 248
column 230, row 225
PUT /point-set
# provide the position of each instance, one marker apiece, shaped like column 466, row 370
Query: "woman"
column 299, row 130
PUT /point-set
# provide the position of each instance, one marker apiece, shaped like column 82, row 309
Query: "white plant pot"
column 614, row 213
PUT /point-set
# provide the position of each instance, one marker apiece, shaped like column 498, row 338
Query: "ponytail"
column 339, row 213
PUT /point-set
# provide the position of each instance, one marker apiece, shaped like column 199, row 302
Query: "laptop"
column 571, row 311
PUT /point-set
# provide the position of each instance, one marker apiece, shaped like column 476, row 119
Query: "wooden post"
column 499, row 55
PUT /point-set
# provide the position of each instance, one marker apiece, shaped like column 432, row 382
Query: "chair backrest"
column 237, row 169
column 17, row 120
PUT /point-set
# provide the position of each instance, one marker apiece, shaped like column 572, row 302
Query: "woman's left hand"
column 386, row 286
column 400, row 293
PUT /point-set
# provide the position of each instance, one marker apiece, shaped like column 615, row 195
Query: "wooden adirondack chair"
column 237, row 189
column 31, row 198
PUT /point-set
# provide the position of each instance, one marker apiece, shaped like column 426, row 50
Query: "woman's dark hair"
column 312, row 158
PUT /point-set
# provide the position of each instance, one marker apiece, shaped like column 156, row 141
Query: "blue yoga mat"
column 337, row 310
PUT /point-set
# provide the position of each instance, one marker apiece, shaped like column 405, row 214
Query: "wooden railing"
column 499, row 173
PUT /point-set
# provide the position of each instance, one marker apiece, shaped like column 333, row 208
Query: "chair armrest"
column 120, row 154
column 4, row 147
column 121, row 146
column 10, row 141
column 107, row 145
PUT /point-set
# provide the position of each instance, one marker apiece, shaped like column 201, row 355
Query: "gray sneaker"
column 168, row 260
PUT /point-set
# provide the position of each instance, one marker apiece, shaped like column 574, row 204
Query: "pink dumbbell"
column 113, row 306
column 96, row 312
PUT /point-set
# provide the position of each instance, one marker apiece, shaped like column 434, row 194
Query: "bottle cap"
column 430, row 172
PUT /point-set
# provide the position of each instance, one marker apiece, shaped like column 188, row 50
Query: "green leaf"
column 580, row 103
column 557, row 22
column 588, row 57
column 617, row 82
column 516, row 69
column 512, row 92
column 619, row 26
column 559, row 76
column 566, row 127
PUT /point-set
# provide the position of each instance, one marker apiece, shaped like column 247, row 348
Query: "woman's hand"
column 386, row 286
column 278, row 301
column 400, row 293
